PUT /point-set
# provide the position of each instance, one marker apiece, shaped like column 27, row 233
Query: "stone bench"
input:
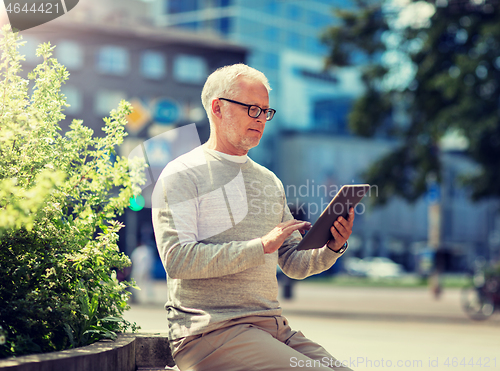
column 130, row 352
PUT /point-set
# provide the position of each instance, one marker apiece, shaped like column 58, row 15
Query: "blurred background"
column 401, row 94
column 354, row 83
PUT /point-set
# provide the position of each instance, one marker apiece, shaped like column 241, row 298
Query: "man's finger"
column 289, row 223
column 299, row 225
column 350, row 217
column 305, row 228
column 341, row 228
column 336, row 234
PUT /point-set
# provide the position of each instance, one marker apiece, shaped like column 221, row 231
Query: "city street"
column 378, row 328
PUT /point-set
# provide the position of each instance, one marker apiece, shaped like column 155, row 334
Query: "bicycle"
column 481, row 299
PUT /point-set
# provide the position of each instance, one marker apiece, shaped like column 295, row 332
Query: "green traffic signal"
column 137, row 203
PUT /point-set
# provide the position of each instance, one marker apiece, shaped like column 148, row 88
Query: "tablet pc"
column 348, row 196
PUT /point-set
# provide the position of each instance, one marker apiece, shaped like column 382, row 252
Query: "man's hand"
column 274, row 239
column 341, row 230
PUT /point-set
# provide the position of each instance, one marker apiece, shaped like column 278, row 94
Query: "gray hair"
column 223, row 83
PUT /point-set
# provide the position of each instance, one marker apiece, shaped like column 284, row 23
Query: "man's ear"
column 216, row 111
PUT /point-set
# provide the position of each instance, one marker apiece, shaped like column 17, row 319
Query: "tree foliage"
column 453, row 62
column 59, row 195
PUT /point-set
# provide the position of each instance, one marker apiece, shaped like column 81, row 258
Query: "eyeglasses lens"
column 254, row 111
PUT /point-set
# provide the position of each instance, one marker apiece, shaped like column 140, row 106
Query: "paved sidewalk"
column 363, row 303
column 368, row 326
column 388, row 304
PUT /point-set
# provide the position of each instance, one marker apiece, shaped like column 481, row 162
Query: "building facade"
column 283, row 39
column 160, row 71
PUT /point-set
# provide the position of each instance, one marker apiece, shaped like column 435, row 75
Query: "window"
column 293, row 12
column 293, row 40
column 188, row 25
column 70, row 54
column 320, row 20
column 225, row 25
column 324, row 20
column 218, row 3
column 330, row 115
column 272, row 60
column 153, row 65
column 113, row 60
column 312, row 17
column 73, row 98
column 181, row 6
column 273, row 7
column 106, row 100
column 272, row 33
column 190, row 68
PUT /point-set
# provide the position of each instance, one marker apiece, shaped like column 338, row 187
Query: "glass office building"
column 283, row 39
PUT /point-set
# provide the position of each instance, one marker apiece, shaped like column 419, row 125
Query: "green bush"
column 59, row 195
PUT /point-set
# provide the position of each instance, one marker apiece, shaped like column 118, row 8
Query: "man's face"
column 238, row 132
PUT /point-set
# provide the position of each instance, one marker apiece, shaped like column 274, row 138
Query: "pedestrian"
column 222, row 224
column 143, row 258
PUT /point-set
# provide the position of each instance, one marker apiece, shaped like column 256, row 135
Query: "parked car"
column 373, row 267
column 355, row 266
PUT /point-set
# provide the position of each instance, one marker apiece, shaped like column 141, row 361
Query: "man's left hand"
column 341, row 230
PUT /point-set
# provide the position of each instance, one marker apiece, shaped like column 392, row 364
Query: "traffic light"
column 137, row 203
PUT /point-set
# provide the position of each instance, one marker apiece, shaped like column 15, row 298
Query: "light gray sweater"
column 209, row 215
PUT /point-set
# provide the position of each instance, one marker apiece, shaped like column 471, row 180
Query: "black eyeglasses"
column 255, row 111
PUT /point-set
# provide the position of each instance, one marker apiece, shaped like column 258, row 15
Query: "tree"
column 454, row 68
column 59, row 195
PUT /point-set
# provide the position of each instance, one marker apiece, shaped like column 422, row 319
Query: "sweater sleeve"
column 177, row 223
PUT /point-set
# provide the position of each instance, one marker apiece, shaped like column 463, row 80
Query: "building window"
column 324, row 20
column 293, row 40
column 330, row 115
column 272, row 61
column 106, row 100
column 73, row 98
column 153, row 65
column 293, row 12
column 113, row 60
column 225, row 25
column 273, row 7
column 319, row 20
column 272, row 34
column 70, row 54
column 188, row 25
column 190, row 69
column 181, row 6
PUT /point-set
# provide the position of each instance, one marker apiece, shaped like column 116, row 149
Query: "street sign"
column 434, row 193
column 138, row 118
column 165, row 111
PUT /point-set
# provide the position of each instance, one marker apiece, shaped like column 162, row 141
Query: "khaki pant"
column 252, row 343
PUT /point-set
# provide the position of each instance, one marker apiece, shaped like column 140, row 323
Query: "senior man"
column 223, row 226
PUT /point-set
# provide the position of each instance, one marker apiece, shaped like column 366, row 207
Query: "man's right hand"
column 274, row 239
